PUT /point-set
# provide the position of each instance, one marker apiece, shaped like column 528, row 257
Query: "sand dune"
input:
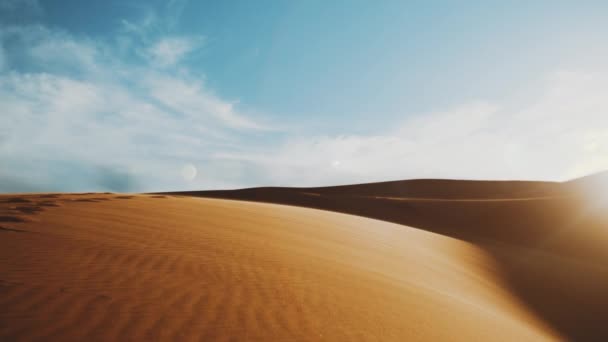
column 485, row 265
column 548, row 239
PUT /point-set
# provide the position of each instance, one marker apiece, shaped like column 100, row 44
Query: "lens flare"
column 189, row 172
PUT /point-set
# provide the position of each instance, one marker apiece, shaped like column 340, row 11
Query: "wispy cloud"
column 169, row 51
column 77, row 107
column 559, row 135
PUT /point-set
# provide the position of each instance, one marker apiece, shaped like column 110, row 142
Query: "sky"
column 137, row 96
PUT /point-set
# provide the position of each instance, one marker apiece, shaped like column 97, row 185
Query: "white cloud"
column 81, row 103
column 561, row 135
column 192, row 100
column 55, row 51
column 169, row 51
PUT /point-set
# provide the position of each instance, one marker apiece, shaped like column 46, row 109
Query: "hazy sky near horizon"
column 175, row 95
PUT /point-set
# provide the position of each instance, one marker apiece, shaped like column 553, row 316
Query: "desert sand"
column 421, row 260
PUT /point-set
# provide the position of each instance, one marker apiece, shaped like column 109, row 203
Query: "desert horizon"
column 408, row 260
column 303, row 170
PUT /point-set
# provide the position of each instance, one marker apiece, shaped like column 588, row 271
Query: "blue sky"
column 171, row 95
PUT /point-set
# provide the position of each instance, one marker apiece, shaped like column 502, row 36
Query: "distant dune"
column 396, row 261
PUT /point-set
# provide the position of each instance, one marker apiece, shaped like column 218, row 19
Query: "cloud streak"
column 560, row 135
column 169, row 51
column 84, row 102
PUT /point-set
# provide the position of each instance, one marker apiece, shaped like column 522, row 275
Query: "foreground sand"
column 110, row 267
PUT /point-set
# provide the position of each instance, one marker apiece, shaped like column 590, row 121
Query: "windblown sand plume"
column 413, row 260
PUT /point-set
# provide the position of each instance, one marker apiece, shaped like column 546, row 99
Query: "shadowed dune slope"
column 157, row 267
column 414, row 189
column 548, row 240
column 443, row 189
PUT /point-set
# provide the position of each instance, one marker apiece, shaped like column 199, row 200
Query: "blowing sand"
column 160, row 267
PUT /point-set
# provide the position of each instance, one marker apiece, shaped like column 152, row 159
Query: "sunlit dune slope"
column 548, row 240
column 116, row 268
